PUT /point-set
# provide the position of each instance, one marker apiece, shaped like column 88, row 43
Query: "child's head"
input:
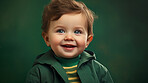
column 57, row 8
column 67, row 27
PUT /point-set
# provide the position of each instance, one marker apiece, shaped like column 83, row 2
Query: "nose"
column 69, row 37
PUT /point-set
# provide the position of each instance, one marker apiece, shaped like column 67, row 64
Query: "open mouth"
column 68, row 46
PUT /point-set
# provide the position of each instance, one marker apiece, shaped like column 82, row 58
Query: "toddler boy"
column 68, row 30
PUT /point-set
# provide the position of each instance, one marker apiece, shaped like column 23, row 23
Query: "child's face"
column 68, row 35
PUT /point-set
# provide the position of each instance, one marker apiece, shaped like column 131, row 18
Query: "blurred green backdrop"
column 120, row 40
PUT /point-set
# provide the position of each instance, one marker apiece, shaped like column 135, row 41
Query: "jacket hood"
column 48, row 58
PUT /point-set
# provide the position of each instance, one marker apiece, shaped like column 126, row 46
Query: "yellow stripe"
column 70, row 67
column 71, row 72
column 74, row 82
column 73, row 78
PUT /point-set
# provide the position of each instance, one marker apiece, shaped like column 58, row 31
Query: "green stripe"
column 72, row 75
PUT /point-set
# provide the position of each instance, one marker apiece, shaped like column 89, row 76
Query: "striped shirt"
column 72, row 74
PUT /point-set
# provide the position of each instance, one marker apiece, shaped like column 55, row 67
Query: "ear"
column 46, row 38
column 89, row 39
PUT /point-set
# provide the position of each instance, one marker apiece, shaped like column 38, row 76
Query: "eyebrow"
column 75, row 27
column 80, row 27
column 56, row 26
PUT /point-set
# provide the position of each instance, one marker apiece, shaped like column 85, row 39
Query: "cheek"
column 82, row 41
column 54, row 40
column 82, row 44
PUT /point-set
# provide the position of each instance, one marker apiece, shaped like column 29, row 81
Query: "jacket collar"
column 48, row 58
column 86, row 56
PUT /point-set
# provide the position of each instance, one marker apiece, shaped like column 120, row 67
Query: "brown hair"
column 57, row 8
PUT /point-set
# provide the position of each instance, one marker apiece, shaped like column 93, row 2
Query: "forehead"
column 70, row 20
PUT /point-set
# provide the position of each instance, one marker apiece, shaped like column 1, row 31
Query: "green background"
column 120, row 40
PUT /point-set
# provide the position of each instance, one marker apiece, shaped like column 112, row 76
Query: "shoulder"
column 99, row 66
column 91, row 58
column 39, row 67
column 89, row 63
column 39, row 72
column 102, row 72
column 33, row 75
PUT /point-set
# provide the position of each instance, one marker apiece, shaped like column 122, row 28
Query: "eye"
column 77, row 31
column 60, row 31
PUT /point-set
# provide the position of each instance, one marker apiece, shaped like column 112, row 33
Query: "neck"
column 67, row 62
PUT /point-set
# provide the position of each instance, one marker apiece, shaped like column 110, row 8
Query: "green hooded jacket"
column 47, row 69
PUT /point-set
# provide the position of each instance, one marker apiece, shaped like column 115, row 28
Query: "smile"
column 68, row 47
